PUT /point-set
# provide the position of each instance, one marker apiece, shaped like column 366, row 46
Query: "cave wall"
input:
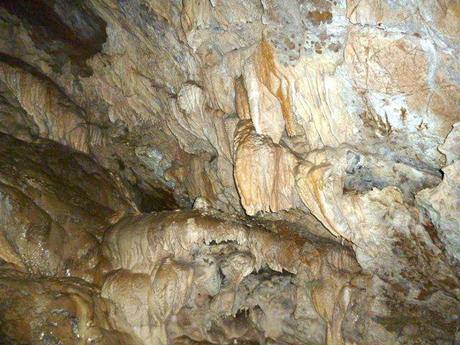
column 161, row 85
column 338, row 116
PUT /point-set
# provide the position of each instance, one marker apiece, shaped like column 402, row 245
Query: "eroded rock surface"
column 275, row 120
column 55, row 204
column 177, row 274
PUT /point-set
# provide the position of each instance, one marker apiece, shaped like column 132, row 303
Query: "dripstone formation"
column 178, row 172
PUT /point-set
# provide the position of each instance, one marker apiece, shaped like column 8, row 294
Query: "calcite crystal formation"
column 230, row 171
column 191, row 274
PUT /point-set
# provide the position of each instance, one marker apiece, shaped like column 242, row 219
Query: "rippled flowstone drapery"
column 338, row 118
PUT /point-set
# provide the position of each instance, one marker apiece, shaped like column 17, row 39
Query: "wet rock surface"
column 228, row 171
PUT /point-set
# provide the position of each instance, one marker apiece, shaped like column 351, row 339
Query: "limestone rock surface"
column 197, row 275
column 221, row 171
column 54, row 206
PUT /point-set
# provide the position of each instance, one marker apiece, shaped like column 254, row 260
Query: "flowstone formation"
column 230, row 172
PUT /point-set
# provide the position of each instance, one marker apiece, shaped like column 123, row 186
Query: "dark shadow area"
column 66, row 30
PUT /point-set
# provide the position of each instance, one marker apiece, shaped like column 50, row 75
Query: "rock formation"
column 230, row 172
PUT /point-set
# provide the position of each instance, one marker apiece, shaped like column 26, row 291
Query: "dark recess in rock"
column 67, row 30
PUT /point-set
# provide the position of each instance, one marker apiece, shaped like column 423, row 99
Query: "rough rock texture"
column 54, row 206
column 317, row 140
column 53, row 311
column 157, row 85
column 264, row 172
column 197, row 270
column 442, row 203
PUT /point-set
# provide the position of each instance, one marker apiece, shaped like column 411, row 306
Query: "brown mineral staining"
column 319, row 17
column 289, row 44
column 269, row 72
column 403, row 114
column 318, row 48
column 335, row 47
column 229, row 172
column 241, row 99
